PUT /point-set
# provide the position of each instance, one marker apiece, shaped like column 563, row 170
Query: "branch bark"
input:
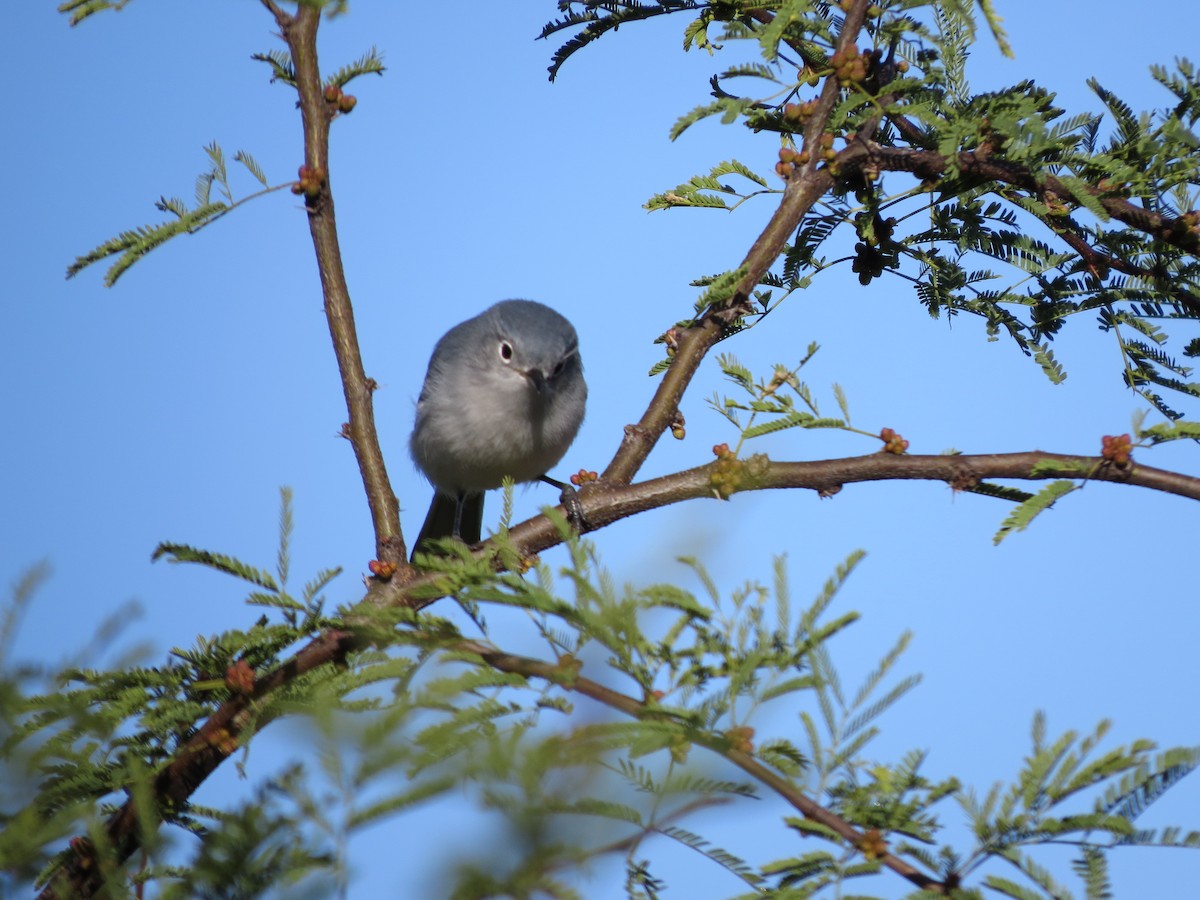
column 300, row 33
column 802, row 191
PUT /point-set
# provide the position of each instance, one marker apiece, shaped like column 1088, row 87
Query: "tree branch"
column 219, row 736
column 607, row 503
column 803, row 190
column 82, row 874
column 981, row 166
column 809, row 808
column 300, row 33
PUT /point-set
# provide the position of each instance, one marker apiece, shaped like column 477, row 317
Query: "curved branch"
column 603, row 504
column 82, row 875
column 981, row 166
column 809, row 808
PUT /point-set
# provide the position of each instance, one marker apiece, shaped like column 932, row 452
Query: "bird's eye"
column 506, row 351
column 558, row 368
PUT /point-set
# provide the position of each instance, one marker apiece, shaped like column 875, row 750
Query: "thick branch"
column 610, row 503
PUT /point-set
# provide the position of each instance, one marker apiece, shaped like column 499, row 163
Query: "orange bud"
column 872, row 844
column 892, row 442
column 741, row 738
column 1116, row 449
column 382, row 570
column 239, row 677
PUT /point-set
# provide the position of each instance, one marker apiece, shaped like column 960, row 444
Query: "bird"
column 504, row 396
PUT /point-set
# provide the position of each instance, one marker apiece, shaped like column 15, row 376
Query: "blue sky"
column 173, row 406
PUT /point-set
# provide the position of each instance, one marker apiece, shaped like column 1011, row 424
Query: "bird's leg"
column 570, row 502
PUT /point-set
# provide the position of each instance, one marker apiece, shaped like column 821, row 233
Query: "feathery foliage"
column 131, row 246
column 1026, row 511
column 971, row 218
column 619, row 716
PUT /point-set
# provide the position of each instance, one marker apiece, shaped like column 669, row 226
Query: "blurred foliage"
column 999, row 206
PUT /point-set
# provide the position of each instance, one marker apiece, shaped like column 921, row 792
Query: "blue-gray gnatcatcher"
column 504, row 396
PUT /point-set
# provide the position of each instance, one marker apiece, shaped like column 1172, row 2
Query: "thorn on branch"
column 963, row 481
column 566, row 671
column 223, row 741
column 670, row 339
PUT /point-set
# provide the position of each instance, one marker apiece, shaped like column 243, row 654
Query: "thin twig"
column 300, row 32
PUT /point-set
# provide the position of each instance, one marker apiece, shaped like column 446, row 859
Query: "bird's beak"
column 538, row 379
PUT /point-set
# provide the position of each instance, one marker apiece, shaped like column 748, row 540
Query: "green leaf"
column 843, row 405
column 733, row 167
column 279, row 601
column 1044, row 357
column 721, row 289
column 723, row 858
column 1009, row 888
column 1170, row 431
column 133, row 245
column 370, row 63
column 999, row 491
column 414, row 793
column 1092, row 867
column 182, row 553
column 280, row 61
column 795, row 419
column 1019, row 518
column 729, row 108
column 251, row 165
column 82, row 9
